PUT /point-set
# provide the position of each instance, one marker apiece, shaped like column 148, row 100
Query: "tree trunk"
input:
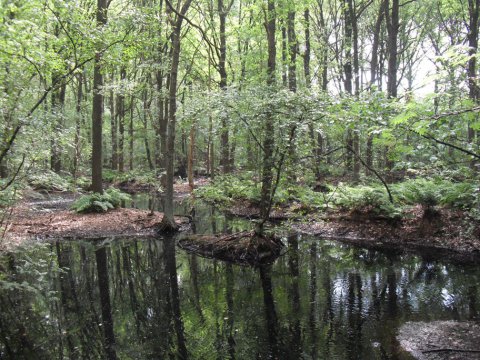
column 225, row 147
column 120, row 114
column 78, row 125
column 292, row 52
column 473, row 87
column 161, row 126
column 130, row 136
column 191, row 151
column 393, row 24
column 284, row 56
column 97, row 107
column 168, row 221
column 113, row 130
column 269, row 140
column 306, row 55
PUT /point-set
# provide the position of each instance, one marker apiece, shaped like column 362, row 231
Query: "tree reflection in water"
column 144, row 299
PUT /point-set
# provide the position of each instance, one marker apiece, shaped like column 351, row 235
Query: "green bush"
column 227, row 188
column 366, row 199
column 462, row 196
column 48, row 180
column 419, row 191
column 430, row 193
column 138, row 176
column 91, row 203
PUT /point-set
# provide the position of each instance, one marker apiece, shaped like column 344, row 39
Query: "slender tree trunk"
column 269, row 141
column 348, row 73
column 161, row 126
column 168, row 221
column 292, row 52
column 292, row 81
column 97, row 107
column 113, row 130
column 78, row 125
column 306, row 55
column 473, row 87
column 120, row 114
column 222, row 69
column 348, row 33
column 393, row 24
column 284, row 56
column 130, row 136
column 146, row 110
column 191, row 152
column 58, row 111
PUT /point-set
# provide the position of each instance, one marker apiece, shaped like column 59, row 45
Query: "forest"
column 237, row 123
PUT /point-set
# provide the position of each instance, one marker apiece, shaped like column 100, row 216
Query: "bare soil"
column 441, row 340
column 38, row 218
column 447, row 231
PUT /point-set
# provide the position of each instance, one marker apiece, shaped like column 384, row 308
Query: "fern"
column 99, row 203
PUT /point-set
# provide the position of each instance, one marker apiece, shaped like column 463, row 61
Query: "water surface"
column 145, row 299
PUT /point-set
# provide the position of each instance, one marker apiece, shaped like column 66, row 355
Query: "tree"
column 97, row 106
column 168, row 221
column 269, row 140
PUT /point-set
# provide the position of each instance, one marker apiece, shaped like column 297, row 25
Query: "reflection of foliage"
column 110, row 199
column 53, row 298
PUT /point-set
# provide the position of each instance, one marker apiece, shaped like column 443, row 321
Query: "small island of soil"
column 242, row 248
column 441, row 340
column 28, row 225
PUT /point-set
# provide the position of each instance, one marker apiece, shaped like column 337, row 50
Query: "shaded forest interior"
column 343, row 98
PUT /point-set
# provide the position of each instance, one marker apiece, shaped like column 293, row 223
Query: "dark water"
column 145, row 299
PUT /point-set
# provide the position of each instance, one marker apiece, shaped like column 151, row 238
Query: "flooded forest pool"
column 147, row 299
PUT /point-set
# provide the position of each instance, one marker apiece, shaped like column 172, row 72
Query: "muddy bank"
column 441, row 340
column 27, row 225
column 446, row 234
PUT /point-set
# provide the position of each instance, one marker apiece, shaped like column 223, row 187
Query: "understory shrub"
column 430, row 193
column 91, row 203
column 226, row 188
column 48, row 180
column 419, row 191
column 366, row 199
column 138, row 176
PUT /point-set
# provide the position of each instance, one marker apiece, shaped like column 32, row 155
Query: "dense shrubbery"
column 371, row 199
column 110, row 199
column 366, row 199
column 227, row 188
column 139, row 177
column 49, row 180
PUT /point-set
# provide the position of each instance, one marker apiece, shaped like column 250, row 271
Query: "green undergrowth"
column 138, row 176
column 48, row 180
column 100, row 203
column 371, row 199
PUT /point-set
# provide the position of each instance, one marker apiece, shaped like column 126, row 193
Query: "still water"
column 147, row 299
